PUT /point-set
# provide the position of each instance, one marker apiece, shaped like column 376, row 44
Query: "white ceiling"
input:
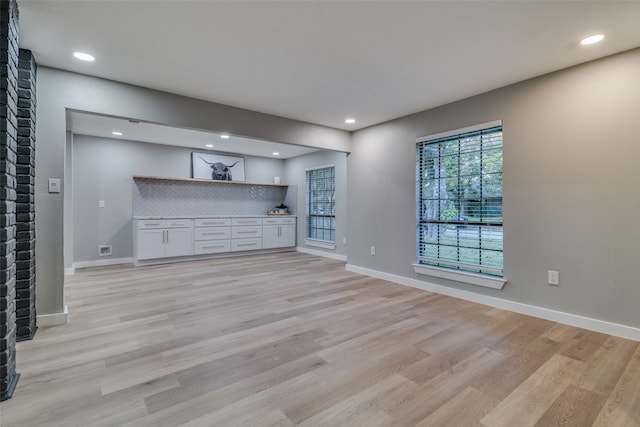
column 103, row 126
column 322, row 61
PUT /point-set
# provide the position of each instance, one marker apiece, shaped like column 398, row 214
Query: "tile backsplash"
column 164, row 197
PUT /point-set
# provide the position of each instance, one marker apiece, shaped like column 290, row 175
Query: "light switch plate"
column 54, row 185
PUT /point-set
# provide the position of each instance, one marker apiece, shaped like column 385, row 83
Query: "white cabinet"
column 179, row 242
column 150, row 244
column 212, row 236
column 278, row 232
column 163, row 238
column 246, row 234
column 171, row 238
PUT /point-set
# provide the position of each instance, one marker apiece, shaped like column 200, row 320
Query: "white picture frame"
column 217, row 167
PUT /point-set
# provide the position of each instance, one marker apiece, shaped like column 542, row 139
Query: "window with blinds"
column 321, row 204
column 459, row 200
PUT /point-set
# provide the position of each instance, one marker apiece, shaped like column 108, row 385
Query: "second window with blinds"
column 321, row 207
column 459, row 203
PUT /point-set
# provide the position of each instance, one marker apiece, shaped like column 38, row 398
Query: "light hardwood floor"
column 294, row 340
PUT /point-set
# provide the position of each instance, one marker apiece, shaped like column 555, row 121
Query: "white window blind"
column 459, row 201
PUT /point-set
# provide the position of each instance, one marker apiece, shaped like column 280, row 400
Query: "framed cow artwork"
column 217, row 167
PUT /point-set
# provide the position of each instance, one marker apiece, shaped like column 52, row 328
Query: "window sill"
column 460, row 276
column 320, row 244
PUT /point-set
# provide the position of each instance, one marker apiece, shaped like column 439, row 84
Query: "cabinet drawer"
column 178, row 223
column 246, row 244
column 246, row 221
column 151, row 223
column 278, row 221
column 212, row 247
column 245, row 232
column 212, row 233
column 213, row 222
column 164, row 223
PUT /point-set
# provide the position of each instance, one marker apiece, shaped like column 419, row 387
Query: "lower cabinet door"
column 270, row 236
column 278, row 236
column 179, row 242
column 150, row 244
column 287, row 236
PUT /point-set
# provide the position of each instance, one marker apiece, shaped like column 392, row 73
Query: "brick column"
column 25, row 206
column 8, row 157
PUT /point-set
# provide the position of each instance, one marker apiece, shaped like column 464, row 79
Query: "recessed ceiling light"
column 209, row 145
column 84, row 56
column 116, row 133
column 224, row 136
column 275, row 153
column 592, row 39
column 350, row 121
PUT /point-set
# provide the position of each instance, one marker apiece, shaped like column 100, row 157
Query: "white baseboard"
column 53, row 319
column 321, row 253
column 602, row 326
column 320, row 244
column 157, row 261
column 69, row 271
column 101, row 263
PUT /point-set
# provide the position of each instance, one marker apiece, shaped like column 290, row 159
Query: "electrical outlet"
column 101, row 203
column 373, row 250
column 344, row 240
column 553, row 277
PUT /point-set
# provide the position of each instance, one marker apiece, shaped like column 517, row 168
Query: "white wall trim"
column 101, row 263
column 54, row 319
column 321, row 253
column 602, row 326
column 460, row 276
column 69, row 271
column 320, row 244
column 198, row 257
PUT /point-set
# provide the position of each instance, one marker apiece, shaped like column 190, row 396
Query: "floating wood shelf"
column 208, row 181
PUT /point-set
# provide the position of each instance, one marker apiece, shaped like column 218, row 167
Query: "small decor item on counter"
column 280, row 209
column 217, row 167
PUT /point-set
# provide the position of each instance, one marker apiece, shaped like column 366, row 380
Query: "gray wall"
column 571, row 188
column 102, row 170
column 295, row 173
column 60, row 90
